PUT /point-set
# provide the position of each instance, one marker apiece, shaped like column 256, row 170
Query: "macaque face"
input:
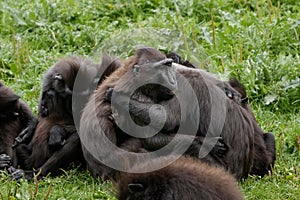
column 160, row 72
column 8, row 102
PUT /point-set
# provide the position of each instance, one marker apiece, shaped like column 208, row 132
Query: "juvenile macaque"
column 15, row 116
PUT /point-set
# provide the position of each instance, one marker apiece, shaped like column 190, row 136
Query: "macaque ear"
column 136, row 187
column 136, row 68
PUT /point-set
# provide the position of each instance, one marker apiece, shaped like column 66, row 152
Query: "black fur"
column 185, row 178
column 264, row 143
column 55, row 143
column 133, row 70
column 238, row 130
column 15, row 116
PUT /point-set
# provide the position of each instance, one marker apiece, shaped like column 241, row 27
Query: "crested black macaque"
column 250, row 150
column 264, row 143
column 55, row 142
column 15, row 116
column 98, row 130
column 185, row 178
column 219, row 114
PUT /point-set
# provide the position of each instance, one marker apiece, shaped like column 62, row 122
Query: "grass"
column 257, row 41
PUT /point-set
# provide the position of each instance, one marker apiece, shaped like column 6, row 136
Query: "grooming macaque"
column 55, row 142
column 185, row 178
column 220, row 116
column 250, row 150
column 15, row 116
column 99, row 130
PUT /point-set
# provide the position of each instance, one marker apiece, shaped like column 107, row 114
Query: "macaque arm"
column 160, row 140
column 58, row 135
column 30, row 122
column 140, row 110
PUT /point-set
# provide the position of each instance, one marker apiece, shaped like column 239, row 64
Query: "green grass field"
column 256, row 41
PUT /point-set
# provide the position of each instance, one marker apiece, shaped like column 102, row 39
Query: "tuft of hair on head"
column 239, row 87
column 148, row 54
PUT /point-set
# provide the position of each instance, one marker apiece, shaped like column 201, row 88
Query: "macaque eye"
column 163, row 63
column 136, row 68
column 16, row 114
column 169, row 63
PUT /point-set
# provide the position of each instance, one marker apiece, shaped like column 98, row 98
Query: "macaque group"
column 54, row 143
column 241, row 147
column 204, row 122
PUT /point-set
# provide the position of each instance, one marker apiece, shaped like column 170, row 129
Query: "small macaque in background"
column 55, row 142
column 185, row 178
column 15, row 118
